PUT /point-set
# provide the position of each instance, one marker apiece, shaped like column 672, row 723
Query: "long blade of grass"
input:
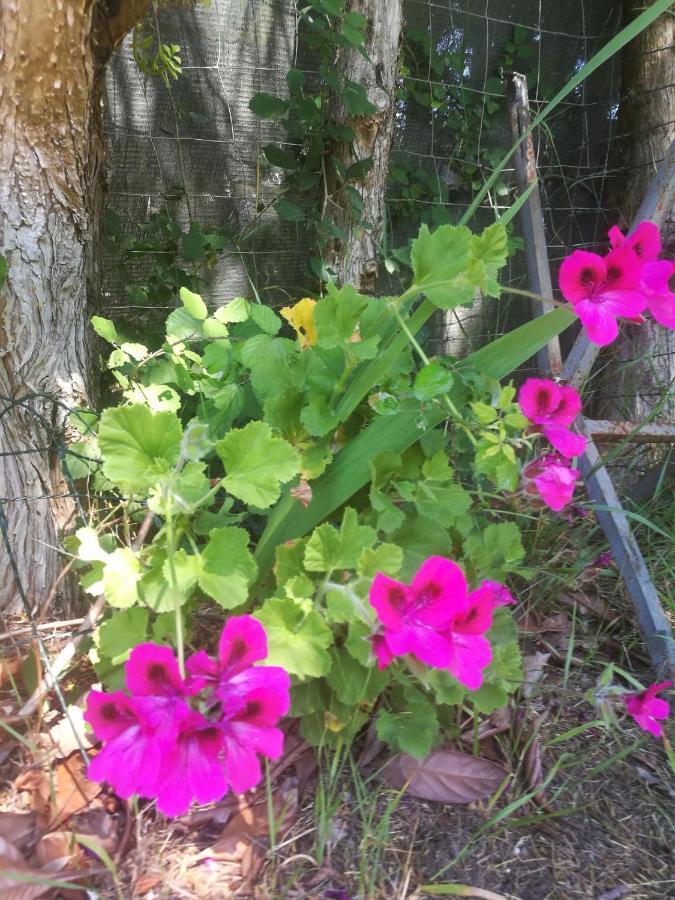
column 611, row 47
column 350, row 470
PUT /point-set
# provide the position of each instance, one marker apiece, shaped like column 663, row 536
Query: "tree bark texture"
column 52, row 56
column 356, row 259
column 645, row 355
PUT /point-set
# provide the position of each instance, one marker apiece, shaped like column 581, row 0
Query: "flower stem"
column 170, row 549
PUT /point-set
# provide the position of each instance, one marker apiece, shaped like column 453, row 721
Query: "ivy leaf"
column 121, row 574
column 119, row 634
column 297, row 637
column 236, row 310
column 506, row 666
column 295, row 79
column 256, row 463
column 412, row 731
column 281, row 158
column 490, row 248
column 227, row 567
column 355, row 99
column 289, row 211
column 104, row 328
column 329, row 549
column 193, row 303
column 267, row 106
column 138, row 445
column 447, row 689
column 386, row 558
column 440, row 261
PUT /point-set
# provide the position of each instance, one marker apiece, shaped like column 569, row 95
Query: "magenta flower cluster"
column 625, row 283
column 437, row 620
column 183, row 739
column 551, row 409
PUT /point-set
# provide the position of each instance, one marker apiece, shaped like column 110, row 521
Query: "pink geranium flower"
column 647, row 709
column 603, row 288
column 645, row 241
column 158, row 745
column 436, row 620
column 552, row 408
column 551, row 478
column 655, row 285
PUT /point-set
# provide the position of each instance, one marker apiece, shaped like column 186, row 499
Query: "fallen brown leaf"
column 445, row 776
column 9, row 669
column 35, row 784
column 533, row 769
column 19, row 828
column 73, row 790
column 462, row 890
column 12, row 864
column 70, row 733
column 147, row 882
column 588, row 602
column 533, row 671
column 99, row 824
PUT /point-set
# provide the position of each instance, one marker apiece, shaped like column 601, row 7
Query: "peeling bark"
column 51, row 186
column 646, row 354
column 356, row 259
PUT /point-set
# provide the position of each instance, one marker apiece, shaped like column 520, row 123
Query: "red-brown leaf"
column 445, row 776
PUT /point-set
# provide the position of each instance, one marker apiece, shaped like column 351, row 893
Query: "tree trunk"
column 356, row 258
column 646, row 354
column 52, row 56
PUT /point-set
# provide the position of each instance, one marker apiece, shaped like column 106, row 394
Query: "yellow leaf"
column 301, row 317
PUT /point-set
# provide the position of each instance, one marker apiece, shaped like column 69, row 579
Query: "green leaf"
column 447, row 689
column 295, row 80
column 289, row 211
column 297, row 637
column 484, row 413
column 355, row 99
column 281, row 158
column 336, row 315
column 193, row 303
column 104, row 328
column 488, row 697
column 138, row 445
column 318, row 418
column 118, row 635
column 351, row 682
column 386, row 558
column 267, row 106
column 507, row 666
column 329, row 549
column 256, row 463
column 440, row 262
column 444, row 503
column 490, row 248
column 358, row 642
column 288, row 562
column 236, row 310
column 421, row 538
column 411, row 731
column 121, row 574
column 432, row 381
column 495, row 551
column 4, row 269
column 265, row 318
column 227, row 567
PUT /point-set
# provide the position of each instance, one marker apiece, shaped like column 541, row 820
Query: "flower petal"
column 565, row 441
column 471, row 654
column 242, row 766
column 242, row 642
column 109, row 714
column 431, row 647
column 538, row 399
column 600, row 323
column 152, row 670
column 569, row 405
column 390, row 599
column 438, row 592
column 628, row 304
column 581, row 274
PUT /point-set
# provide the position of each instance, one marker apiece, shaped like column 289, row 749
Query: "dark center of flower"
column 613, row 274
column 639, row 249
column 397, row 597
column 587, row 277
column 543, row 401
column 253, row 707
column 428, row 594
column 110, row 712
column 238, row 649
column 157, row 674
